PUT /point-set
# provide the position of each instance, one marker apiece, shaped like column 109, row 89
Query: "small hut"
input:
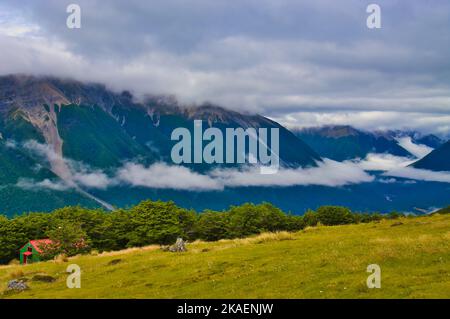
column 31, row 251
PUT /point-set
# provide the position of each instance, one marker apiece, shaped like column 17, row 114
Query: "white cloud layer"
column 328, row 173
column 418, row 150
column 426, row 122
column 383, row 162
column 161, row 175
column 75, row 173
column 420, row 174
column 32, row 185
column 396, row 166
column 302, row 63
column 164, row 176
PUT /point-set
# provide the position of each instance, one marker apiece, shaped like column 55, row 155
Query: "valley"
column 72, row 143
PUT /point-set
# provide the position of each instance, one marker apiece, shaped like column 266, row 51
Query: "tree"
column 212, row 225
column 68, row 238
column 155, row 223
column 310, row 218
column 249, row 219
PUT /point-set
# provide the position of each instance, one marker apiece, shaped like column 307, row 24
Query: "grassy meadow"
column 317, row 262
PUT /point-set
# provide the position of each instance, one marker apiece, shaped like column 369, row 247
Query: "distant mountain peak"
column 344, row 142
column 334, row 131
column 437, row 160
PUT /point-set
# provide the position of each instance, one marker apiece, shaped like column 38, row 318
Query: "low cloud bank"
column 383, row 162
column 161, row 175
column 164, row 176
column 396, row 166
column 420, row 174
column 327, row 173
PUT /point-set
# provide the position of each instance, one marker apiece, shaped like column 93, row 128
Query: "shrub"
column 16, row 274
column 61, row 258
column 334, row 215
column 14, row 262
column 310, row 218
column 294, row 223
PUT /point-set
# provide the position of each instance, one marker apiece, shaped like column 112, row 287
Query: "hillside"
column 437, row 160
column 90, row 123
column 319, row 262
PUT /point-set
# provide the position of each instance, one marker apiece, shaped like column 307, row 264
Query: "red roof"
column 40, row 242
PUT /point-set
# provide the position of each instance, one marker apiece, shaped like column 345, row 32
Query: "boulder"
column 17, row 285
column 179, row 246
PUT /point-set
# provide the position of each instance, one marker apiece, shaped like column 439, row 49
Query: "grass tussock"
column 129, row 251
column 61, row 258
column 16, row 273
column 268, row 237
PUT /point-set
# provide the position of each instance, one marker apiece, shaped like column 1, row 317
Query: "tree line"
column 77, row 230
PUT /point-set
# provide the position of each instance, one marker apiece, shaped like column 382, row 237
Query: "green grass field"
column 320, row 262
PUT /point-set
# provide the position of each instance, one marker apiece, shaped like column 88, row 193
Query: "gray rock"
column 179, row 246
column 17, row 285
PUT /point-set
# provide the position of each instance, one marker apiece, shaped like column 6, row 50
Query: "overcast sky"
column 302, row 63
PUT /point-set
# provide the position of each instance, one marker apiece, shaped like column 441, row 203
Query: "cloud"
column 387, row 180
column 298, row 62
column 95, row 179
column 163, row 176
column 383, row 162
column 418, row 150
column 11, row 144
column 43, row 150
column 32, row 185
column 420, row 174
column 369, row 120
column 396, row 166
column 328, row 173
column 160, row 175
column 74, row 173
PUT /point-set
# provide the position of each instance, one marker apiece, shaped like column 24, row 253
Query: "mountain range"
column 60, row 138
column 343, row 142
column 48, row 124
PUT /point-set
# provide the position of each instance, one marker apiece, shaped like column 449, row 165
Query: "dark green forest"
column 157, row 222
